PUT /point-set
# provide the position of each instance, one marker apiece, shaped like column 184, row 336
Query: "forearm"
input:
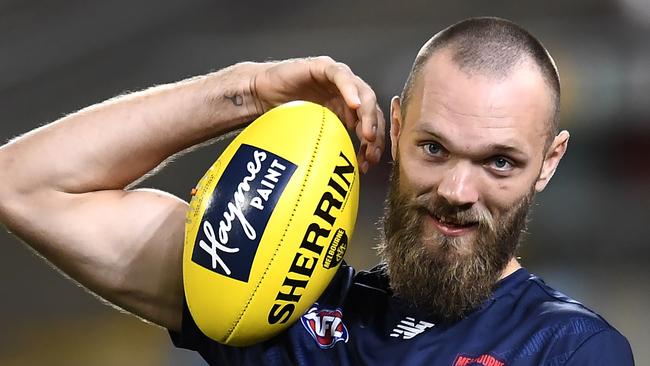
column 111, row 144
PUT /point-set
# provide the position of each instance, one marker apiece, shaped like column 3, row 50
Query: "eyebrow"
column 506, row 149
column 492, row 147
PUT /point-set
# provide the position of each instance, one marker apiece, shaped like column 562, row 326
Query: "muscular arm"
column 63, row 186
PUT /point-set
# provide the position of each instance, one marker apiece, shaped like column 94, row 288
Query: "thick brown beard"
column 431, row 273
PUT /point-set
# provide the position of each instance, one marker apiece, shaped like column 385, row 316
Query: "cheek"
column 419, row 177
column 502, row 194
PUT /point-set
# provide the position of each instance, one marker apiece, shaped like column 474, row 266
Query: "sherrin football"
column 269, row 223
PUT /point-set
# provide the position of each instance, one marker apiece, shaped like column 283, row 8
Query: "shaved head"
column 491, row 47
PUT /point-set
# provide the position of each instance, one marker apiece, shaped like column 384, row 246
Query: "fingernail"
column 356, row 100
column 374, row 129
column 364, row 167
column 378, row 153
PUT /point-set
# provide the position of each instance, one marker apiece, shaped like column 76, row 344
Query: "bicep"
column 125, row 246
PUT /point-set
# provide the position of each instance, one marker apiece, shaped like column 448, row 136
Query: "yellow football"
column 269, row 224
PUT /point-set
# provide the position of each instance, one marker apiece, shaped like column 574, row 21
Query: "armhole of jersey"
column 190, row 336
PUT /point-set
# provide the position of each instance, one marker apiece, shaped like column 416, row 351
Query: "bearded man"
column 474, row 136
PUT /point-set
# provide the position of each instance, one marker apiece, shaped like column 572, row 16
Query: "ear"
column 553, row 156
column 395, row 124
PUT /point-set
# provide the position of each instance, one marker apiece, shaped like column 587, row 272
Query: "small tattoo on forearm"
column 236, row 99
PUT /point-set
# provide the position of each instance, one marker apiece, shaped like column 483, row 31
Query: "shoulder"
column 606, row 347
column 553, row 305
column 564, row 327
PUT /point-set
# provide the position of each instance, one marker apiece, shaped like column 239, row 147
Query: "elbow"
column 12, row 194
column 6, row 184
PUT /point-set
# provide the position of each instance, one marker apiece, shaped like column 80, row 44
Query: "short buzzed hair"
column 490, row 46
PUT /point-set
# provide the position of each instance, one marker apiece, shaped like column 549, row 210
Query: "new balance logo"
column 408, row 328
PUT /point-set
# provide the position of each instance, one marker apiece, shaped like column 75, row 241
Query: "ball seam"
column 293, row 212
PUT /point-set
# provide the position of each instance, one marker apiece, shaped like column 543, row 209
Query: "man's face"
column 468, row 158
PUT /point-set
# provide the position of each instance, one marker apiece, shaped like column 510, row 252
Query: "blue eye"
column 502, row 164
column 433, row 148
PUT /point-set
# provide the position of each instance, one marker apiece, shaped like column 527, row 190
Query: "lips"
column 451, row 227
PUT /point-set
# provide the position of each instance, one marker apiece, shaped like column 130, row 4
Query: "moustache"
column 451, row 214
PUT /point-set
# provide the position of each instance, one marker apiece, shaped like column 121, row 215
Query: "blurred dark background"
column 590, row 228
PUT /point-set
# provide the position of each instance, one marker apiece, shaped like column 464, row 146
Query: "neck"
column 511, row 267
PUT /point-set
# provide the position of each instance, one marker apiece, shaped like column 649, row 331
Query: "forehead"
column 480, row 108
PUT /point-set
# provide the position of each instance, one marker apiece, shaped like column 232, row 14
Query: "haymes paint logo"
column 242, row 203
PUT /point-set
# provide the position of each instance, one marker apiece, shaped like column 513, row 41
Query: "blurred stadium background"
column 590, row 229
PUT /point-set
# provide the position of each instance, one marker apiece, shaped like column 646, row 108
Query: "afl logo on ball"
column 240, row 207
column 325, row 326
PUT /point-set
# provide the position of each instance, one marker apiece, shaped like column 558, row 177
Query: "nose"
column 458, row 186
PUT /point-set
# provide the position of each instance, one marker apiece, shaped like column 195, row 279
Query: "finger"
column 358, row 129
column 368, row 153
column 379, row 142
column 367, row 112
column 349, row 116
column 361, row 157
column 373, row 150
column 345, row 81
column 373, row 154
column 355, row 92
